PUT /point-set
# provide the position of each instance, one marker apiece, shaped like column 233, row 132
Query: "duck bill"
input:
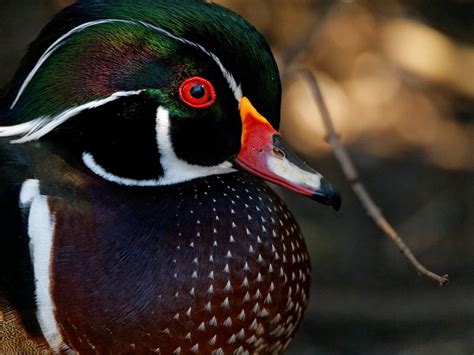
column 264, row 153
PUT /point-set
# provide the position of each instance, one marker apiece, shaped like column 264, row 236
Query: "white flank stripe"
column 175, row 169
column 39, row 127
column 41, row 232
column 236, row 88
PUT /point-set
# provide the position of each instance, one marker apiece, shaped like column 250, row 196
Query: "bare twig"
column 353, row 177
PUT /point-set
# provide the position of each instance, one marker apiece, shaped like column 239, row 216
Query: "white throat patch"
column 175, row 170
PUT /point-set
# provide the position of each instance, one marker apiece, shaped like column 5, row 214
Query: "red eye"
column 197, row 92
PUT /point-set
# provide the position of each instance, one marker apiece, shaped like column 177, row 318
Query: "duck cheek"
column 205, row 142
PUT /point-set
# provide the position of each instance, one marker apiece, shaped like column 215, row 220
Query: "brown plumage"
column 14, row 338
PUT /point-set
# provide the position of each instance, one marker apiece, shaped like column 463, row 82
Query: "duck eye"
column 197, row 92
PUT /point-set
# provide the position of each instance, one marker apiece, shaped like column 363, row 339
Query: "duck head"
column 155, row 93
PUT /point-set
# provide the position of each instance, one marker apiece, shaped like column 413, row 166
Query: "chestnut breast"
column 213, row 266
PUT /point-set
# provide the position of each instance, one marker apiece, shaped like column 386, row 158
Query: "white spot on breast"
column 218, row 352
column 268, row 299
column 195, row 348
column 246, row 297
column 228, row 287
column 225, row 304
column 202, row 327
column 252, row 339
column 276, row 319
column 256, row 308
column 228, row 322
column 213, row 322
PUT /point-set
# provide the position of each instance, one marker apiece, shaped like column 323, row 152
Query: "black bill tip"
column 327, row 196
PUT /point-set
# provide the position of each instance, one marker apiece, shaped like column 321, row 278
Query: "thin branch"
column 353, row 177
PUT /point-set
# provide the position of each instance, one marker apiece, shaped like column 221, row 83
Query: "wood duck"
column 133, row 210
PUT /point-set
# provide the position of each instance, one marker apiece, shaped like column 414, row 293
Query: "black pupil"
column 197, row 91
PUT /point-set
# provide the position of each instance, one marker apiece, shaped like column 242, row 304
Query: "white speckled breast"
column 214, row 266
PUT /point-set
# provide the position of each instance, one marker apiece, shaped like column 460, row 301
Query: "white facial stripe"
column 51, row 49
column 236, row 88
column 17, row 130
column 294, row 174
column 97, row 169
column 175, row 170
column 39, row 127
column 41, row 224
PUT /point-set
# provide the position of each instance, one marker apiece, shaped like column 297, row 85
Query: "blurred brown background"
column 398, row 77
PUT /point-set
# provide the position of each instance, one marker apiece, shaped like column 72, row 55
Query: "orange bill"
column 264, row 153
